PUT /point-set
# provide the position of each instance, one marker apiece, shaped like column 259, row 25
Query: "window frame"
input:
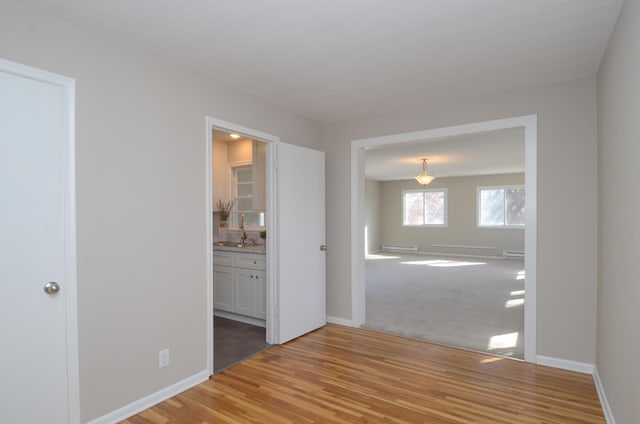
column 498, row 187
column 445, row 223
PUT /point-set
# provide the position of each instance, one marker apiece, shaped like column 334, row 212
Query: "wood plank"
column 343, row 375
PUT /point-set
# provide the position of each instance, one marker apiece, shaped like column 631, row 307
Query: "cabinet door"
column 245, row 296
column 223, row 288
column 251, row 261
column 261, row 292
column 222, row 258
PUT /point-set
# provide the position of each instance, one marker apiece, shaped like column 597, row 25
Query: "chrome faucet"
column 243, row 235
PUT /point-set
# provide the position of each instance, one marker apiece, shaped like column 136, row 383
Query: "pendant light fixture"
column 425, row 178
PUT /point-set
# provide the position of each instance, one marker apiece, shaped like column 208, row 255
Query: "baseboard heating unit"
column 512, row 254
column 398, row 248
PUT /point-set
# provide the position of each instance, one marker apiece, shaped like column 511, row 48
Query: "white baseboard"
column 565, row 364
column 242, row 318
column 151, row 400
column 608, row 413
column 340, row 321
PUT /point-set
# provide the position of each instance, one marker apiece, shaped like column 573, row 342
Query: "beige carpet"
column 472, row 303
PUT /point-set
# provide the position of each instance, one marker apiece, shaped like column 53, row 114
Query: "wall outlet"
column 163, row 358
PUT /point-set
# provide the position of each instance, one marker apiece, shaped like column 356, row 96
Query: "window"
column 426, row 208
column 501, row 207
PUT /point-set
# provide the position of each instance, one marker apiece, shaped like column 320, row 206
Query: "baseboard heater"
column 512, row 254
column 398, row 248
column 461, row 246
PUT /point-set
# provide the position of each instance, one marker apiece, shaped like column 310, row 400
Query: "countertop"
column 231, row 247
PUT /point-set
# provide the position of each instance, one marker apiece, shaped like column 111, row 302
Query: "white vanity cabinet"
column 223, row 280
column 239, row 283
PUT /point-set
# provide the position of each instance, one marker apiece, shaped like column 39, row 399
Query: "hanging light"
column 425, row 178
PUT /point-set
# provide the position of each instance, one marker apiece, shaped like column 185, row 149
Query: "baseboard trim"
column 565, row 364
column 242, row 318
column 151, row 400
column 340, row 321
column 608, row 413
column 459, row 255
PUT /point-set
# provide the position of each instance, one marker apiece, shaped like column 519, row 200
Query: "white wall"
column 461, row 227
column 618, row 346
column 567, row 201
column 141, row 200
column 240, row 150
column 373, row 224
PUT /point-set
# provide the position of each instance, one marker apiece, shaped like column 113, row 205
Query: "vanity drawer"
column 250, row 261
column 223, row 258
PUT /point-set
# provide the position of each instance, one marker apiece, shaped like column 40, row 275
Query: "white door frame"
column 70, row 291
column 358, row 146
column 271, row 140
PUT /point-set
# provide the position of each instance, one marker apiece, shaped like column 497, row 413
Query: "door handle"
column 323, row 247
column 51, row 287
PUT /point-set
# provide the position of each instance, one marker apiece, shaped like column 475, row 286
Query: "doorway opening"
column 445, row 259
column 239, row 254
column 359, row 230
column 240, row 265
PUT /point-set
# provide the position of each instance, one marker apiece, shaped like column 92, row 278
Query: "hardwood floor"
column 344, row 375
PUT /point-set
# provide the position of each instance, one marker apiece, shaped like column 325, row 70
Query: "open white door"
column 301, row 285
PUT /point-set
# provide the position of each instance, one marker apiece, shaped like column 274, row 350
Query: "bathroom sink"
column 230, row 244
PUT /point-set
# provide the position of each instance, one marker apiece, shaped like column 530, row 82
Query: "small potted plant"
column 224, row 209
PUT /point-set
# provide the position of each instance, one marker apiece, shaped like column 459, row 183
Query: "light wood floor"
column 344, row 375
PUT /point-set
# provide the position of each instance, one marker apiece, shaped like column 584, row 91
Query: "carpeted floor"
column 235, row 341
column 472, row 303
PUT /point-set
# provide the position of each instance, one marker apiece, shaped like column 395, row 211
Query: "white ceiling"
column 495, row 152
column 337, row 60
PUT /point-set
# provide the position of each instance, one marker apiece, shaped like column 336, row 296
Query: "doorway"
column 529, row 125
column 439, row 269
column 239, row 258
column 294, row 306
column 239, row 254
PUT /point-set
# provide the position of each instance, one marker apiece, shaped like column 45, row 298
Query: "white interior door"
column 301, row 292
column 34, row 250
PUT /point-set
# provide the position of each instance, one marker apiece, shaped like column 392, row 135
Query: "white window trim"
column 496, row 187
column 445, row 224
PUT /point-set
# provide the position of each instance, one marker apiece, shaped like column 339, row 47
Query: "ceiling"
column 486, row 153
column 339, row 60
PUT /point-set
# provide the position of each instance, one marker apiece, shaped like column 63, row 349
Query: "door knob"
column 51, row 287
column 323, row 247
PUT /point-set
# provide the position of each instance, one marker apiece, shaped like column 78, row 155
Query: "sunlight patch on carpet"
column 513, row 303
column 373, row 256
column 443, row 263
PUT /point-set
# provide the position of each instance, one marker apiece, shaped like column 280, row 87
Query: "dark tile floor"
column 234, row 341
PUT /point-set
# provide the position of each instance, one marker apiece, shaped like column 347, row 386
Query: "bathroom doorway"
column 238, row 223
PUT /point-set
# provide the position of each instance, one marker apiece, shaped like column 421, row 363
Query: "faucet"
column 243, row 235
